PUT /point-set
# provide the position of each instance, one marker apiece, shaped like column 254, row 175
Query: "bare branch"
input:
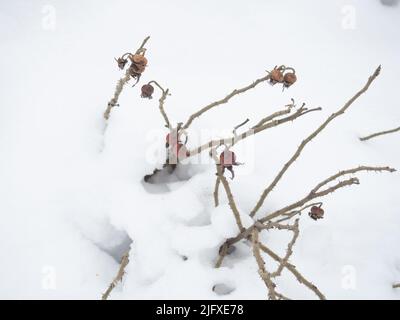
column 235, row 139
column 396, row 285
column 222, row 253
column 289, row 250
column 310, row 197
column 315, row 194
column 231, row 200
column 280, row 296
column 381, row 133
column 217, row 183
column 291, row 214
column 350, row 171
column 161, row 107
column 161, row 101
column 264, row 274
column 141, row 48
column 118, row 89
column 273, row 225
column 224, row 100
column 285, row 212
column 297, row 153
column 238, row 126
column 120, row 274
column 121, row 83
column 294, row 271
column 276, row 114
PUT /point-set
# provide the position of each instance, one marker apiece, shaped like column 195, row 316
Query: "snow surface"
column 73, row 200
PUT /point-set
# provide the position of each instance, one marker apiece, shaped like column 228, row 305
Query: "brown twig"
column 120, row 85
column 118, row 89
column 289, row 250
column 381, row 133
column 313, row 194
column 290, row 215
column 294, row 271
column 141, row 48
column 235, row 139
column 161, row 101
column 396, row 285
column 264, row 274
column 216, row 198
column 222, row 253
column 275, row 114
column 226, row 99
column 310, row 196
column 118, row 278
column 297, row 153
column 230, row 197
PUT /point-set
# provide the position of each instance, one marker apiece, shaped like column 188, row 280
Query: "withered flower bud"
column 121, row 63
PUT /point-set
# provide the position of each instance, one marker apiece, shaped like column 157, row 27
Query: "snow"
column 73, row 200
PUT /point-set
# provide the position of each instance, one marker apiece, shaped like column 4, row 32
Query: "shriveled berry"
column 227, row 158
column 289, row 79
column 139, row 59
column 316, row 213
column 147, row 91
column 276, row 76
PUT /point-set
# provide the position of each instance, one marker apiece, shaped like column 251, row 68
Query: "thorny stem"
column 164, row 95
column 141, row 48
column 274, row 115
column 264, row 274
column 297, row 153
column 231, row 200
column 217, row 183
column 224, row 100
column 294, row 271
column 313, row 194
column 121, row 83
column 222, row 253
column 158, row 85
column 119, row 276
column 282, row 212
column 239, row 125
column 235, row 139
column 118, row 89
column 291, row 214
column 289, row 250
column 381, row 133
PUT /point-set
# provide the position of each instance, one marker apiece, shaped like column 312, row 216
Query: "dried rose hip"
column 289, row 79
column 147, row 91
column 276, row 76
column 316, row 213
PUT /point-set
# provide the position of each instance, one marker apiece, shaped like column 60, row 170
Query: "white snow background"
column 68, row 210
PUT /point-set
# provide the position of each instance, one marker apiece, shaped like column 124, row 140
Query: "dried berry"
column 121, row 63
column 289, row 78
column 147, row 91
column 171, row 139
column 227, row 158
column 276, row 76
column 316, row 213
column 136, row 69
column 139, row 59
